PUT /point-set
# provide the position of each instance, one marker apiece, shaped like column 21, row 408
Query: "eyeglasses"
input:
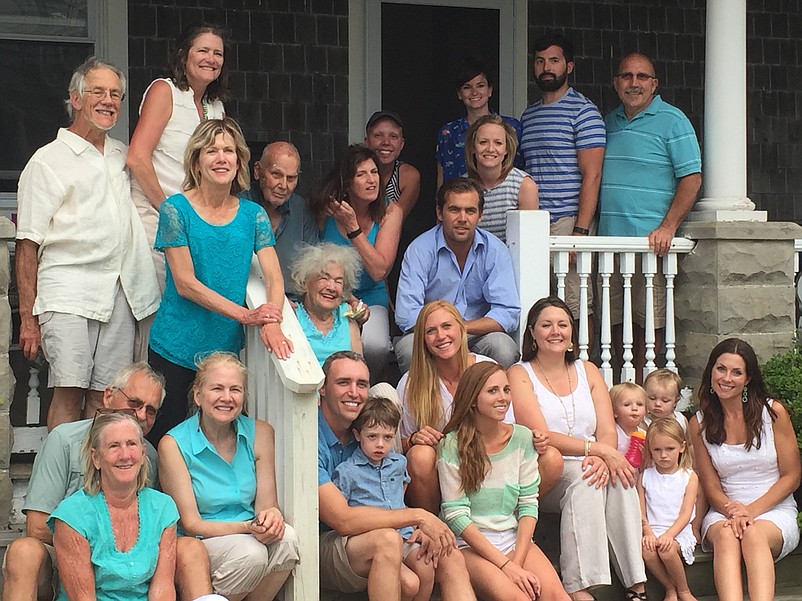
column 638, row 76
column 100, row 94
column 136, row 404
column 108, row 411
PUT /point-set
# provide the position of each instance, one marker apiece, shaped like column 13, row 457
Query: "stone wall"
column 672, row 33
column 288, row 63
column 6, row 376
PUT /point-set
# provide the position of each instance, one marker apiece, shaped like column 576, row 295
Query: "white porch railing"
column 531, row 245
column 285, row 394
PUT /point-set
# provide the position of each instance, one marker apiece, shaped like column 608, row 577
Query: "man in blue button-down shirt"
column 465, row 265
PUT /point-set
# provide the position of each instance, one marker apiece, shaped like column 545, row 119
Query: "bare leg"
column 726, row 562
column 377, row 554
column 761, row 543
column 672, row 560
column 192, row 570
column 490, row 583
column 410, row 585
column 65, row 406
column 28, row 571
column 423, row 574
column 92, row 402
column 658, row 570
column 424, row 486
column 269, row 587
column 550, row 465
column 452, row 576
column 550, row 586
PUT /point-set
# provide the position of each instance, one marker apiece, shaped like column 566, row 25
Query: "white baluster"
column 561, row 270
column 649, row 266
column 584, row 267
column 627, row 266
column 33, row 403
column 606, row 268
column 670, row 271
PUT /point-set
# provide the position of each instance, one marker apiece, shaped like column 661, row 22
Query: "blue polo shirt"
column 330, row 453
column 365, row 484
column 224, row 492
column 644, row 159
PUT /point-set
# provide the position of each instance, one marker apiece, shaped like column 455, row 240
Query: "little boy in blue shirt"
column 376, row 476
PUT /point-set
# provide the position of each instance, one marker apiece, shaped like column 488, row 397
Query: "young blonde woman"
column 489, row 481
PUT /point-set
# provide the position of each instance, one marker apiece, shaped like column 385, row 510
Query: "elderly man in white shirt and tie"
column 84, row 271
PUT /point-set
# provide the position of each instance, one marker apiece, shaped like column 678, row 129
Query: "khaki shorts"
column 239, row 562
column 564, row 226
column 638, row 295
column 335, row 570
column 86, row 353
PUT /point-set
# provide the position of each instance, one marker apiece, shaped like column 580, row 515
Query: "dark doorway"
column 421, row 49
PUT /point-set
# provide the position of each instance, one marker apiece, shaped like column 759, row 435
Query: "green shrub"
column 783, row 376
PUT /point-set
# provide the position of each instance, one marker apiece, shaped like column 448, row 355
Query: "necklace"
column 572, row 422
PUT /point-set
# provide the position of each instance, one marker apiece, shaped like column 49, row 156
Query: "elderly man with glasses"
column 650, row 178
column 84, row 271
column 29, row 562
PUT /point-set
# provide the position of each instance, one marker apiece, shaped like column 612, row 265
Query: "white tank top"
column 575, row 411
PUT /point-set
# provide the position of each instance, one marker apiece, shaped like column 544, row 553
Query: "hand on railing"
column 275, row 341
column 660, row 240
column 263, row 314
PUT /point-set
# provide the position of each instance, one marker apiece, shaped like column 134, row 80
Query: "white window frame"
column 364, row 55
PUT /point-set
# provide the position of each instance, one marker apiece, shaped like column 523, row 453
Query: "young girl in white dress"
column 667, row 489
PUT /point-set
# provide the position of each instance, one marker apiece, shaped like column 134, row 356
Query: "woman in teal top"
column 219, row 467
column 323, row 277
column 489, row 484
column 209, row 237
column 351, row 211
column 96, row 548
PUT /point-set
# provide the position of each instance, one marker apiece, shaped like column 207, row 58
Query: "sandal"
column 636, row 596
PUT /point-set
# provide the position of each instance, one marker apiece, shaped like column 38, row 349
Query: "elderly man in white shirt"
column 84, row 271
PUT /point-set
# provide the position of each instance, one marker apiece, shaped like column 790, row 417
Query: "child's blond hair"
column 619, row 389
column 668, row 426
column 663, row 377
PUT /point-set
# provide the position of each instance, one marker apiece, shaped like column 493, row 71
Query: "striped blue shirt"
column 552, row 133
column 499, row 200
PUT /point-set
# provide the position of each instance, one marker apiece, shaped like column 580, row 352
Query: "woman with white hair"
column 323, row 276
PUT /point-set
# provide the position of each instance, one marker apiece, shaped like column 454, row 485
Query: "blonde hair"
column 423, row 397
column 208, row 362
column 92, row 443
column 619, row 389
column 474, row 464
column 203, row 137
column 668, row 426
column 663, row 377
column 510, row 139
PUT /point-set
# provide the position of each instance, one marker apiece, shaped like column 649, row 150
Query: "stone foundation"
column 738, row 282
column 6, row 375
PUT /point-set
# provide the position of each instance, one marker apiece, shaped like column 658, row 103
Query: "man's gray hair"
column 79, row 77
column 123, row 376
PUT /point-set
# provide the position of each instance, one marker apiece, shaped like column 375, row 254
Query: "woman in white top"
column 748, row 464
column 439, row 358
column 171, row 109
column 596, row 495
column 490, row 149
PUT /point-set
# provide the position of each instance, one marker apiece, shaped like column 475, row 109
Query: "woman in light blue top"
column 351, row 211
column 209, row 237
column 219, row 467
column 115, row 539
column 323, row 277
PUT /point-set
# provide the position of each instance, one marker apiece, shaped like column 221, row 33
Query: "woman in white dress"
column 748, row 464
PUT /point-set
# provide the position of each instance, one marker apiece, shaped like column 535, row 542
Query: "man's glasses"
column 136, row 404
column 639, row 76
column 100, row 94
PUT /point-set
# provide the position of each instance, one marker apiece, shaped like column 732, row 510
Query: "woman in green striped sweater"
column 489, row 484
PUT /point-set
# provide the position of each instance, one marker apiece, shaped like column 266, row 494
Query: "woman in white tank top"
column 596, row 495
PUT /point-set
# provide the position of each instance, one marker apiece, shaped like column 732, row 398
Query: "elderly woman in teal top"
column 219, row 467
column 489, row 484
column 351, row 211
column 209, row 236
column 323, row 277
column 114, row 538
